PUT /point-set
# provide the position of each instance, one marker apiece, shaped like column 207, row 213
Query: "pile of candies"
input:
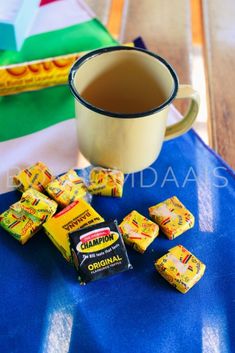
column 96, row 248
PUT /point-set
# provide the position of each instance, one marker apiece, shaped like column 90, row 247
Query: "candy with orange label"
column 36, row 176
column 106, row 182
column 19, row 224
column 172, row 217
column 38, row 205
column 67, row 188
column 24, row 218
column 138, row 231
column 180, row 268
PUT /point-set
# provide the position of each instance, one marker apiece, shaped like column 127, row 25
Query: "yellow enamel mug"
column 122, row 100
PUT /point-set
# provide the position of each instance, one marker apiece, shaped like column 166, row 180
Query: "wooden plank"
column 197, row 19
column 101, row 8
column 166, row 28
column 220, row 63
column 115, row 17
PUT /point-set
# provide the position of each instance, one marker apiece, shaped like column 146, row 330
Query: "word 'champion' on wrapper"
column 138, row 231
column 106, row 182
column 78, row 214
column 36, row 176
column 180, row 268
column 172, row 217
column 98, row 251
column 67, row 188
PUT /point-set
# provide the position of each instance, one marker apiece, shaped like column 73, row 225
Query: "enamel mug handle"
column 179, row 128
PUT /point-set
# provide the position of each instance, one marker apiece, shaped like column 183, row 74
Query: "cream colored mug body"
column 122, row 101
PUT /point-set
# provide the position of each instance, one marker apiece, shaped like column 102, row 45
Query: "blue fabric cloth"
column 44, row 309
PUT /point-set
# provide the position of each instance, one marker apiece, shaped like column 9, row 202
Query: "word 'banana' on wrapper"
column 78, row 214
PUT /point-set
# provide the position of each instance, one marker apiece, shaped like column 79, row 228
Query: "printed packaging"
column 138, row 231
column 172, row 217
column 180, row 268
column 98, row 252
column 77, row 215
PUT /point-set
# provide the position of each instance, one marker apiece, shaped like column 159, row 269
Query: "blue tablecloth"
column 44, row 309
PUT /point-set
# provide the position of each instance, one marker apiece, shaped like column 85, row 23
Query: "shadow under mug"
column 122, row 100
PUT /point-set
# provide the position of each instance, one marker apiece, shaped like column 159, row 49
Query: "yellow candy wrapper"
column 106, row 182
column 37, row 74
column 138, row 231
column 67, row 188
column 38, row 205
column 78, row 214
column 180, row 268
column 172, row 217
column 37, row 176
column 19, row 224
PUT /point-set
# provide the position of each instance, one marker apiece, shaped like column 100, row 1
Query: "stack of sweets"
column 67, row 188
column 138, row 231
column 106, row 182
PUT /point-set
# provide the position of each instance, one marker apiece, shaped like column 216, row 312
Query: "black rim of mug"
column 97, row 52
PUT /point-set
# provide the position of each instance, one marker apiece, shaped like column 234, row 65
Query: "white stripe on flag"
column 57, row 146
column 60, row 14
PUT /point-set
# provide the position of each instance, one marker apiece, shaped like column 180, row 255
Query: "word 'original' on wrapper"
column 106, row 182
column 172, row 217
column 77, row 215
column 98, row 251
column 67, row 188
column 37, row 176
column 138, row 231
column 180, row 268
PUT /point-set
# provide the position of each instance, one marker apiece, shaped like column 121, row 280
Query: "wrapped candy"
column 37, row 204
column 172, row 217
column 106, row 182
column 78, row 214
column 25, row 217
column 180, row 268
column 98, row 251
column 138, row 231
column 19, row 224
column 67, row 188
column 37, row 176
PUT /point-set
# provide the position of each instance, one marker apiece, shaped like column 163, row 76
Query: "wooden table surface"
column 172, row 28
